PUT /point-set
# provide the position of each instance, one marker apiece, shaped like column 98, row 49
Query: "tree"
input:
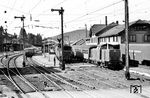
column 1, row 38
column 35, row 40
column 23, row 34
column 38, row 40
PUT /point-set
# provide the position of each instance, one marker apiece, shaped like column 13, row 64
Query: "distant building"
column 72, row 36
column 8, row 41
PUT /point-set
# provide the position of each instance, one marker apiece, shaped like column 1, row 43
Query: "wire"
column 94, row 11
column 12, row 8
column 50, row 8
column 35, row 5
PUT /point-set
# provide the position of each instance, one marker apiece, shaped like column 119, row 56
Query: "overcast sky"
column 77, row 13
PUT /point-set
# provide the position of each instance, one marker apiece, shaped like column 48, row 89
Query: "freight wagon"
column 138, row 52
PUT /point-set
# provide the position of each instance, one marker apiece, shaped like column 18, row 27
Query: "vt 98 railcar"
column 104, row 55
column 68, row 53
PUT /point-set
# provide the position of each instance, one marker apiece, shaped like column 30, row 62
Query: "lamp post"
column 22, row 19
column 61, row 11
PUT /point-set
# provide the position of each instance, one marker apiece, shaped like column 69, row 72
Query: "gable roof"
column 118, row 29
column 108, row 27
column 96, row 28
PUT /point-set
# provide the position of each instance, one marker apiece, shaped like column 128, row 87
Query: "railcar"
column 103, row 55
column 30, row 51
column 68, row 53
column 81, row 52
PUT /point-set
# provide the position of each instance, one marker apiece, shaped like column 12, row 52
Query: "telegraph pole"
column 127, row 73
column 61, row 11
column 22, row 19
column 86, row 30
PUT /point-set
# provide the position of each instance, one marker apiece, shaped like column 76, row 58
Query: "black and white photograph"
column 75, row 49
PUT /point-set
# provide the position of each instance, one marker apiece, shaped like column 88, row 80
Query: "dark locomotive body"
column 68, row 53
column 30, row 51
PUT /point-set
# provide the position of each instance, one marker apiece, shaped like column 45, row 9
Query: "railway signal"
column 22, row 19
column 127, row 73
column 61, row 11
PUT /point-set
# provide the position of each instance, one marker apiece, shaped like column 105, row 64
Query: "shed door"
column 139, row 38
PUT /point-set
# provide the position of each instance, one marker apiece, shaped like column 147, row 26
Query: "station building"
column 9, row 42
column 139, row 38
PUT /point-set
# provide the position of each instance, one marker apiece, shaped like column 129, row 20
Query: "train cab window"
column 67, row 48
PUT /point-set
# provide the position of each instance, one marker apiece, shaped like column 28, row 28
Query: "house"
column 95, row 32
column 139, row 39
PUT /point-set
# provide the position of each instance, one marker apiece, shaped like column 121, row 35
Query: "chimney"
column 106, row 20
column 117, row 22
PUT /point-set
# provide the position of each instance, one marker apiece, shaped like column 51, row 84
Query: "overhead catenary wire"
column 47, row 10
column 94, row 11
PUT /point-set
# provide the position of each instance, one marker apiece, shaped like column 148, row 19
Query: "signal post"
column 61, row 11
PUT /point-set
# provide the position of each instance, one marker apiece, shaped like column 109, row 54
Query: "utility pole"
column 22, row 19
column 6, row 47
column 127, row 73
column 86, row 30
column 61, row 11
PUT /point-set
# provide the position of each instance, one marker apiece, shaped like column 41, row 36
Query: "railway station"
column 75, row 49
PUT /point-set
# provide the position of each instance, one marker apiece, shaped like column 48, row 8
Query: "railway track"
column 16, row 79
column 53, row 77
column 98, row 75
column 51, row 74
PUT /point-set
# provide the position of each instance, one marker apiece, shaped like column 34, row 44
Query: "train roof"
column 84, row 46
column 33, row 47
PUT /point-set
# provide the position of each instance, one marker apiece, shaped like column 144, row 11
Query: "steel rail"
column 45, row 75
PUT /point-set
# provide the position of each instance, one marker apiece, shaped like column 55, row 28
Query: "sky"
column 41, row 20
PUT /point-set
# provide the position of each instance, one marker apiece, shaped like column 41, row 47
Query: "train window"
column 85, row 51
column 67, row 48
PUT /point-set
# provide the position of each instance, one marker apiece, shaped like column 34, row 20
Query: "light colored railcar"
column 104, row 55
column 81, row 52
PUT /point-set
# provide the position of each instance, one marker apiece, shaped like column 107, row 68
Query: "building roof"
column 96, row 28
column 118, row 29
column 108, row 27
column 114, row 31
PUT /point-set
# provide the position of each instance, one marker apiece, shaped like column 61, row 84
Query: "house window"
column 116, row 38
column 147, row 38
column 140, row 28
column 113, row 38
column 132, row 38
column 108, row 39
column 104, row 39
